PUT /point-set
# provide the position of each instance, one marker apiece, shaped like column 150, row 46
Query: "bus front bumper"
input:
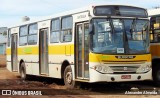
column 99, row 77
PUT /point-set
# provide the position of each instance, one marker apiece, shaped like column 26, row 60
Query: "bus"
column 98, row 43
column 154, row 15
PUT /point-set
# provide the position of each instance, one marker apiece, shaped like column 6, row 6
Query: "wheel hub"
column 69, row 77
column 22, row 73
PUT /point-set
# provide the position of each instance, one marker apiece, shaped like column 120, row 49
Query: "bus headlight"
column 99, row 68
column 102, row 69
column 144, row 68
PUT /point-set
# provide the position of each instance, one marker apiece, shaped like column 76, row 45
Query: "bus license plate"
column 126, row 77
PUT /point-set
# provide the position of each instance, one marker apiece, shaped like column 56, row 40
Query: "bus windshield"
column 120, row 36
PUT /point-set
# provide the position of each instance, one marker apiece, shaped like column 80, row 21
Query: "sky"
column 12, row 11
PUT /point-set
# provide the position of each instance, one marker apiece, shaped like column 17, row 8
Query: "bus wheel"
column 68, row 78
column 156, row 74
column 23, row 71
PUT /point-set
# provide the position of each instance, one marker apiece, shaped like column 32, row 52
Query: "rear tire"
column 23, row 71
column 156, row 74
column 68, row 78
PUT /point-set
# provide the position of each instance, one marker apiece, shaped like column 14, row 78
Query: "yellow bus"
column 98, row 43
column 154, row 15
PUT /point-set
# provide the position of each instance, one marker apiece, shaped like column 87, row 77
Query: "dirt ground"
column 50, row 87
column 55, row 88
column 2, row 60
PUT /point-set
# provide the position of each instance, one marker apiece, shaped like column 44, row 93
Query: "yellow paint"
column 54, row 49
column 25, row 50
column 151, row 37
column 102, row 57
column 34, row 51
column 83, row 53
column 69, row 49
column 156, row 26
column 8, row 51
column 61, row 49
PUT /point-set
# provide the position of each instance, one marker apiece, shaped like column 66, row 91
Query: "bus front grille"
column 124, row 69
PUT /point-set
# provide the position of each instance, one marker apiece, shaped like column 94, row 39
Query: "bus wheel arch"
column 64, row 65
column 22, row 70
column 68, row 78
column 156, row 71
column 67, row 75
column 20, row 64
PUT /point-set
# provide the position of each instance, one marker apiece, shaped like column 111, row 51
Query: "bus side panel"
column 55, row 70
column 35, row 68
column 26, row 59
column 56, row 64
column 9, row 67
column 8, row 51
column 30, row 57
column 58, row 53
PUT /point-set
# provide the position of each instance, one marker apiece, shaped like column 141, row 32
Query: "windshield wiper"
column 133, row 27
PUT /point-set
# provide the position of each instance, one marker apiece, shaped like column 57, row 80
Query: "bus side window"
column 23, row 35
column 55, row 31
column 32, row 36
column 66, row 33
column 66, row 36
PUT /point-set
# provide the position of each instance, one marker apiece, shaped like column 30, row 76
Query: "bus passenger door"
column 14, row 58
column 82, row 50
column 43, row 52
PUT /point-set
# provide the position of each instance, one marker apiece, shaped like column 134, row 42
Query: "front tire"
column 68, row 78
column 156, row 74
column 23, row 71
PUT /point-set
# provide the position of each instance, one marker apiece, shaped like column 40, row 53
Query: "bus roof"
column 39, row 19
column 66, row 13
